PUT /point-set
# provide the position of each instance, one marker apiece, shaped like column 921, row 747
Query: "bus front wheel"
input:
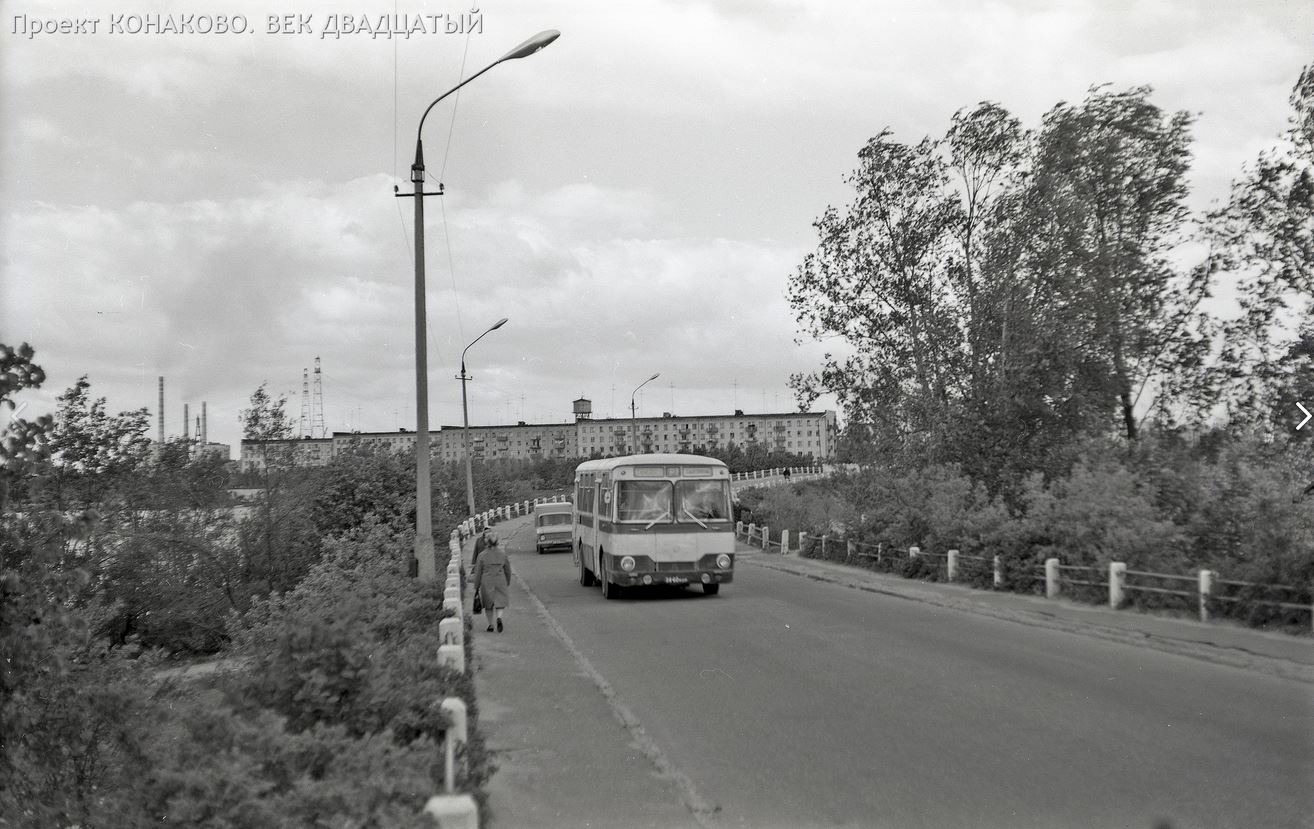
column 585, row 574
column 609, row 590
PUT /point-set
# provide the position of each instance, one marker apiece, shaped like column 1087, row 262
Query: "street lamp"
column 465, row 414
column 424, row 567
column 634, row 426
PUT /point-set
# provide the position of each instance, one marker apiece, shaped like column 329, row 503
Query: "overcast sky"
column 219, row 209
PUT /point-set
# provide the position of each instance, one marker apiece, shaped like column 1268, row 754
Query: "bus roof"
column 608, row 464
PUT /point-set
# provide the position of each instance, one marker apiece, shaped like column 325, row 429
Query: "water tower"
column 583, row 409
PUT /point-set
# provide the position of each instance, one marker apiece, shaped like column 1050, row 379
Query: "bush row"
column 1238, row 511
column 329, row 716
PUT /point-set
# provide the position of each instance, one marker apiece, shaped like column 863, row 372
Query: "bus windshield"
column 702, row 500
column 643, row 501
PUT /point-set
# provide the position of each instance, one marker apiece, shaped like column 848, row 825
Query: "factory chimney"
column 205, row 431
column 161, row 410
column 186, row 432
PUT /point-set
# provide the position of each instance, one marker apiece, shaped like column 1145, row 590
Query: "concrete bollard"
column 1051, row 578
column 454, row 605
column 451, row 593
column 739, row 528
column 452, row 656
column 457, row 733
column 766, row 539
column 1206, row 587
column 453, row 811
column 1117, row 583
column 784, row 542
column 849, row 549
column 951, row 564
column 999, row 573
column 752, row 534
column 451, row 631
column 914, row 552
column 802, row 542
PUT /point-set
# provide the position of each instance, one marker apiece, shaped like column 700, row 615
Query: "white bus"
column 651, row 520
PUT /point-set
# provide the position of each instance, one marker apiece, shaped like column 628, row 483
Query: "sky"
column 219, row 209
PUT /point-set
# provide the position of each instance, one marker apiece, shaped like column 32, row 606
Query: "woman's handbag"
column 478, row 603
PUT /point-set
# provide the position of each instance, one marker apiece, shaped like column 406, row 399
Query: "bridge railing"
column 1203, row 593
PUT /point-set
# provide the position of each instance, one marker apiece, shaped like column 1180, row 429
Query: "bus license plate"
column 676, row 580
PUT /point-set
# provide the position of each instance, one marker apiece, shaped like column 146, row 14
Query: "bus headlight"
column 627, row 563
column 723, row 561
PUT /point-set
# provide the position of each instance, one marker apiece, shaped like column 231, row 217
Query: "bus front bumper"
column 670, row 577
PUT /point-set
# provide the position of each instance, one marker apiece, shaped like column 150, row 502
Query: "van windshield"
column 554, row 519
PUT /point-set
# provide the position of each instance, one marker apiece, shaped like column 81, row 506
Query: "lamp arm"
column 420, row 129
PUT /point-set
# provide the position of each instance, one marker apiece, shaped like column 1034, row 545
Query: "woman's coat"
column 492, row 576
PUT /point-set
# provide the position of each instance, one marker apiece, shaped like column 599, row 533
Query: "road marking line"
column 693, row 801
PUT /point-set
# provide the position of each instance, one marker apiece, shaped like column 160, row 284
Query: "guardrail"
column 1205, row 591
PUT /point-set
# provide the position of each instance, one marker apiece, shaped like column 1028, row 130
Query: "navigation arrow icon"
column 1307, row 416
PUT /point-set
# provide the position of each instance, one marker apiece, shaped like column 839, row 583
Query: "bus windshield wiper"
column 665, row 514
column 694, row 517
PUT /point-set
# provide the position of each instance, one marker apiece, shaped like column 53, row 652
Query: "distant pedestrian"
column 492, row 577
column 481, row 541
column 787, row 473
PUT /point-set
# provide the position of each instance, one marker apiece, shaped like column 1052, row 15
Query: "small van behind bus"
column 552, row 526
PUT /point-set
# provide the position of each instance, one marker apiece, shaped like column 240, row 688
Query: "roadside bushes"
column 1237, row 508
column 354, row 646
column 324, row 712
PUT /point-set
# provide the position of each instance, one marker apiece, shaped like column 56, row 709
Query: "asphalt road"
column 786, row 702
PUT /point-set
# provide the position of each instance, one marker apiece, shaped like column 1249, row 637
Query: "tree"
column 1106, row 203
column 24, row 445
column 91, row 450
column 880, row 280
column 1263, row 240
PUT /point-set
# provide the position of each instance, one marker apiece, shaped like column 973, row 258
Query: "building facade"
column 810, row 434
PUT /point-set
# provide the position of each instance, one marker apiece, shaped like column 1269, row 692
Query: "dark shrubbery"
column 1168, row 508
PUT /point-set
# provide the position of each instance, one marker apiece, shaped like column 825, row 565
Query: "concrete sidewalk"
column 566, row 754
column 1224, row 642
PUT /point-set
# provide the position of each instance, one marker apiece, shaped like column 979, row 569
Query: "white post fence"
column 1051, row 578
column 1117, row 583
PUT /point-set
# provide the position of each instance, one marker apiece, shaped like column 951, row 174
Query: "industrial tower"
column 317, row 429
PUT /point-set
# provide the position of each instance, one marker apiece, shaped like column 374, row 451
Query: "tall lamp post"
column 424, row 567
column 465, row 415
column 634, row 425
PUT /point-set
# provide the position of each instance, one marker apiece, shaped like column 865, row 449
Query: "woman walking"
column 492, row 577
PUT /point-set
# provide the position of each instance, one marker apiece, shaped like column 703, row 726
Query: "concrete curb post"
column 850, row 547
column 951, row 564
column 784, row 542
column 1117, row 583
column 752, row 532
column 453, row 811
column 1206, row 587
column 914, row 552
column 739, row 528
column 457, row 733
column 999, row 573
column 766, row 539
column 452, row 656
column 802, row 542
column 1051, row 578
column 454, row 605
column 451, row 631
